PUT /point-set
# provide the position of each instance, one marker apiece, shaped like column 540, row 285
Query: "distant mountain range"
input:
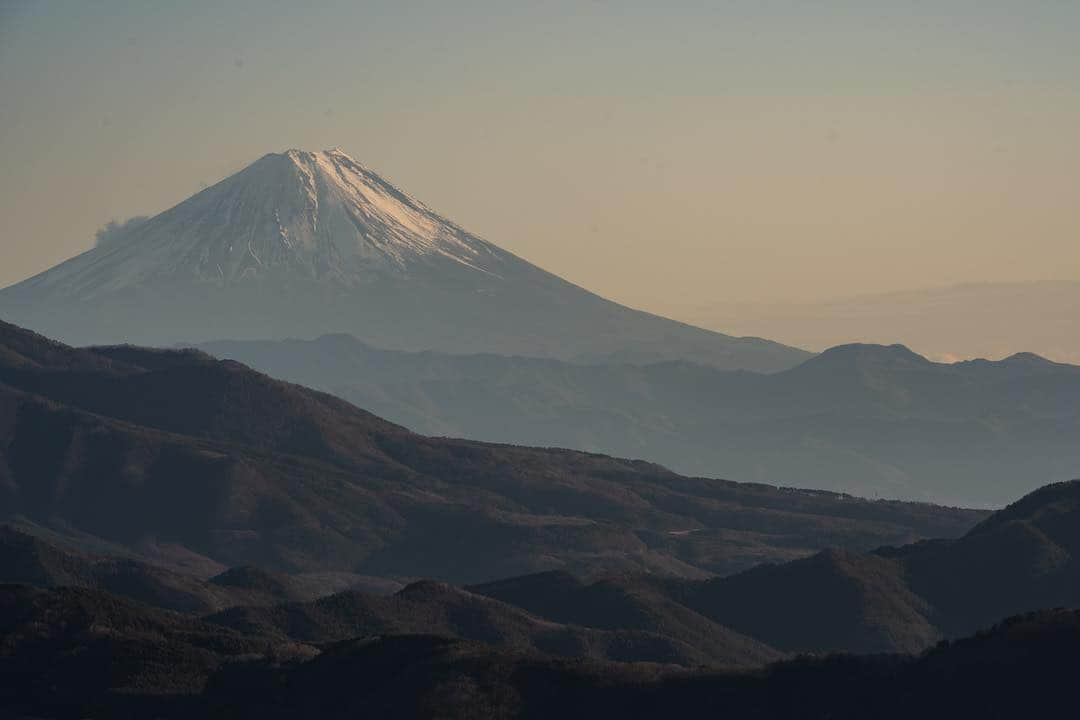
column 864, row 419
column 300, row 244
column 212, row 464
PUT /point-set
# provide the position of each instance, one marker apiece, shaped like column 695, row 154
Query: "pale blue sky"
column 664, row 154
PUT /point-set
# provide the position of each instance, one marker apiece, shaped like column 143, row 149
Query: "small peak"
column 1017, row 362
column 846, row 358
column 277, row 161
column 895, row 348
column 892, row 352
column 1057, row 500
column 341, row 158
column 1027, row 359
column 297, row 155
column 334, row 152
column 332, row 157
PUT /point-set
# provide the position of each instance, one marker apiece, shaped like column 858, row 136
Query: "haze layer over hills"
column 300, row 244
column 864, row 419
column 208, row 459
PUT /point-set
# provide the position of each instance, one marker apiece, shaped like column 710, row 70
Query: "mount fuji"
column 300, row 244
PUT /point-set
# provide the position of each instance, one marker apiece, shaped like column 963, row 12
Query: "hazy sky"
column 664, row 154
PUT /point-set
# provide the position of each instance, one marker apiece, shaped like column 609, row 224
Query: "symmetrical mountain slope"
column 175, row 449
column 863, row 419
column 305, row 243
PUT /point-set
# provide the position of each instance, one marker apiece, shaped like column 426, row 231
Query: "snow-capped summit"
column 319, row 215
column 302, row 243
column 365, row 219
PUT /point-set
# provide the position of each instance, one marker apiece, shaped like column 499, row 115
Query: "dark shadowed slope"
column 1020, row 559
column 283, row 607
column 865, row 419
column 80, row 653
column 832, row 601
column 69, row 648
column 1021, row 668
column 176, row 448
column 299, row 244
column 435, row 609
column 893, row 600
column 76, row 652
column 613, row 603
column 28, row 559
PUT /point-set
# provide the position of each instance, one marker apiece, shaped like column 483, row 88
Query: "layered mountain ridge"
column 868, row 420
column 175, row 448
column 211, row 463
column 553, row 643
